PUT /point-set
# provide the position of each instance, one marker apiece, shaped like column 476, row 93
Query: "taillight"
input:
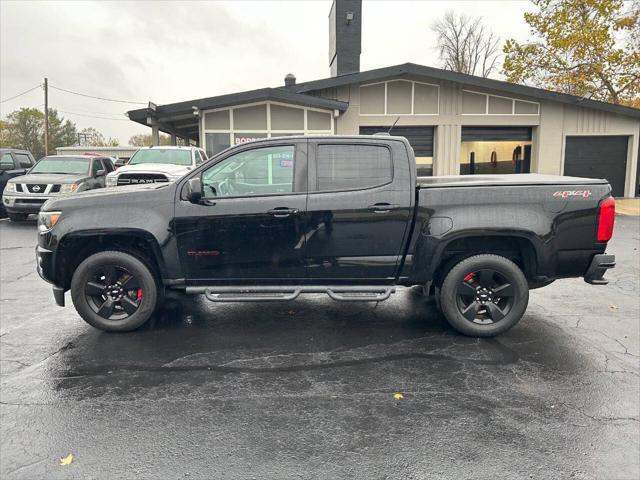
column 606, row 218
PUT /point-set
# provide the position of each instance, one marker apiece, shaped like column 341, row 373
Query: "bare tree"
column 465, row 45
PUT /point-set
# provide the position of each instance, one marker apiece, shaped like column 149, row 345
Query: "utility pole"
column 46, row 116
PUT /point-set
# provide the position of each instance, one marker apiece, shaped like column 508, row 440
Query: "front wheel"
column 484, row 295
column 114, row 291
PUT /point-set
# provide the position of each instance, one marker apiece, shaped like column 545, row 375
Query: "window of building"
column 372, row 99
column 318, row 120
column 260, row 171
column 346, row 167
column 399, row 94
column 242, row 124
column 286, row 118
column 216, row 143
column 477, row 103
column 474, row 103
column 217, row 120
column 399, row 97
column 250, row 118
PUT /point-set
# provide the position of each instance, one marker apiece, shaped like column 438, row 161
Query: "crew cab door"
column 249, row 223
column 358, row 209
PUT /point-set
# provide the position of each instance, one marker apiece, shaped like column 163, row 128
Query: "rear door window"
column 351, row 167
column 24, row 160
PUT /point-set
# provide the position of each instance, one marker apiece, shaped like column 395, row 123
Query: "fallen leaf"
column 614, row 307
column 398, row 396
column 67, row 460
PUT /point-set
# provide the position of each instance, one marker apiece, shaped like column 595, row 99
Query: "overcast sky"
column 172, row 51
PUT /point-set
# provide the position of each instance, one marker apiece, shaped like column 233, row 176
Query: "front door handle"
column 282, row 212
column 382, row 207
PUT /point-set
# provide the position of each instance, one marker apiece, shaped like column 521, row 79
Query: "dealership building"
column 456, row 123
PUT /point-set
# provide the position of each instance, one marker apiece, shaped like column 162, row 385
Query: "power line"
column 97, row 98
column 94, row 116
column 20, row 94
column 91, row 112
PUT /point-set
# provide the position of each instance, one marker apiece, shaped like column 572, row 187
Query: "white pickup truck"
column 157, row 165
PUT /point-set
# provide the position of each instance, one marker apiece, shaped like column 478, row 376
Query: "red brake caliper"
column 139, row 294
column 469, row 277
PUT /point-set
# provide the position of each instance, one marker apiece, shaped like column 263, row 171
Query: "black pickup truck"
column 345, row 216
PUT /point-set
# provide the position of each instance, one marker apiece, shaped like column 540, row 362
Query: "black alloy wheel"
column 485, row 296
column 113, row 292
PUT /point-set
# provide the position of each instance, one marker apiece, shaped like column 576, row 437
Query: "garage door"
column 598, row 157
column 420, row 138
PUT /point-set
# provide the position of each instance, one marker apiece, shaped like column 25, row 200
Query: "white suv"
column 157, row 165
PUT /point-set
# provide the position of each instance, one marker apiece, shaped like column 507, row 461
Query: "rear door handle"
column 382, row 207
column 282, row 212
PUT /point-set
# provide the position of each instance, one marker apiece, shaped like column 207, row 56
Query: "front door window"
column 260, row 171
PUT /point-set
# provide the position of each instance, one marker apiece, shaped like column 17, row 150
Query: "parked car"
column 346, row 216
column 13, row 163
column 157, row 165
column 51, row 177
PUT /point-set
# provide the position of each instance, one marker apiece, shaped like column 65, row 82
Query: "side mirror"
column 194, row 193
column 121, row 162
column 100, row 173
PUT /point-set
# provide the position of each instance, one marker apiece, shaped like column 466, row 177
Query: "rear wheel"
column 484, row 295
column 18, row 217
column 114, row 291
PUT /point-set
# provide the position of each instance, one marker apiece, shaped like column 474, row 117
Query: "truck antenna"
column 391, row 127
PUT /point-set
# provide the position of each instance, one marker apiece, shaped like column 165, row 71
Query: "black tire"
column 114, row 291
column 484, row 295
column 17, row 217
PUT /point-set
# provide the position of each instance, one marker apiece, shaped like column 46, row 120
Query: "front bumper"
column 24, row 204
column 599, row 265
column 44, row 266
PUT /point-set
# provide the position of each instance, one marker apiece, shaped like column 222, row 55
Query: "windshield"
column 69, row 165
column 159, row 155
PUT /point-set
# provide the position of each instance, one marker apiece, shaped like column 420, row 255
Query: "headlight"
column 111, row 181
column 47, row 220
column 69, row 188
column 10, row 188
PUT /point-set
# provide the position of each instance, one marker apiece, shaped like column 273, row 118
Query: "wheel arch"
column 518, row 247
column 75, row 247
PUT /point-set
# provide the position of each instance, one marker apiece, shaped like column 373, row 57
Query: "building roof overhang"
column 414, row 70
column 182, row 118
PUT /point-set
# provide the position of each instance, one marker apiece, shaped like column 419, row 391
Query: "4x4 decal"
column 572, row 193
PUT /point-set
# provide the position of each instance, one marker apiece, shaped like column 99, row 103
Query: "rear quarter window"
column 350, row 167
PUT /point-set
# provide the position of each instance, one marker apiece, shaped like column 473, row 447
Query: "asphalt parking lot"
column 305, row 389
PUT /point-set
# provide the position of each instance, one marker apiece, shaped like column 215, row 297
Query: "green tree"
column 581, row 47
column 142, row 140
column 62, row 133
column 24, row 129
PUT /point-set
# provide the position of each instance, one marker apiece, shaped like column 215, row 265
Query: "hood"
column 156, row 167
column 112, row 195
column 42, row 178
